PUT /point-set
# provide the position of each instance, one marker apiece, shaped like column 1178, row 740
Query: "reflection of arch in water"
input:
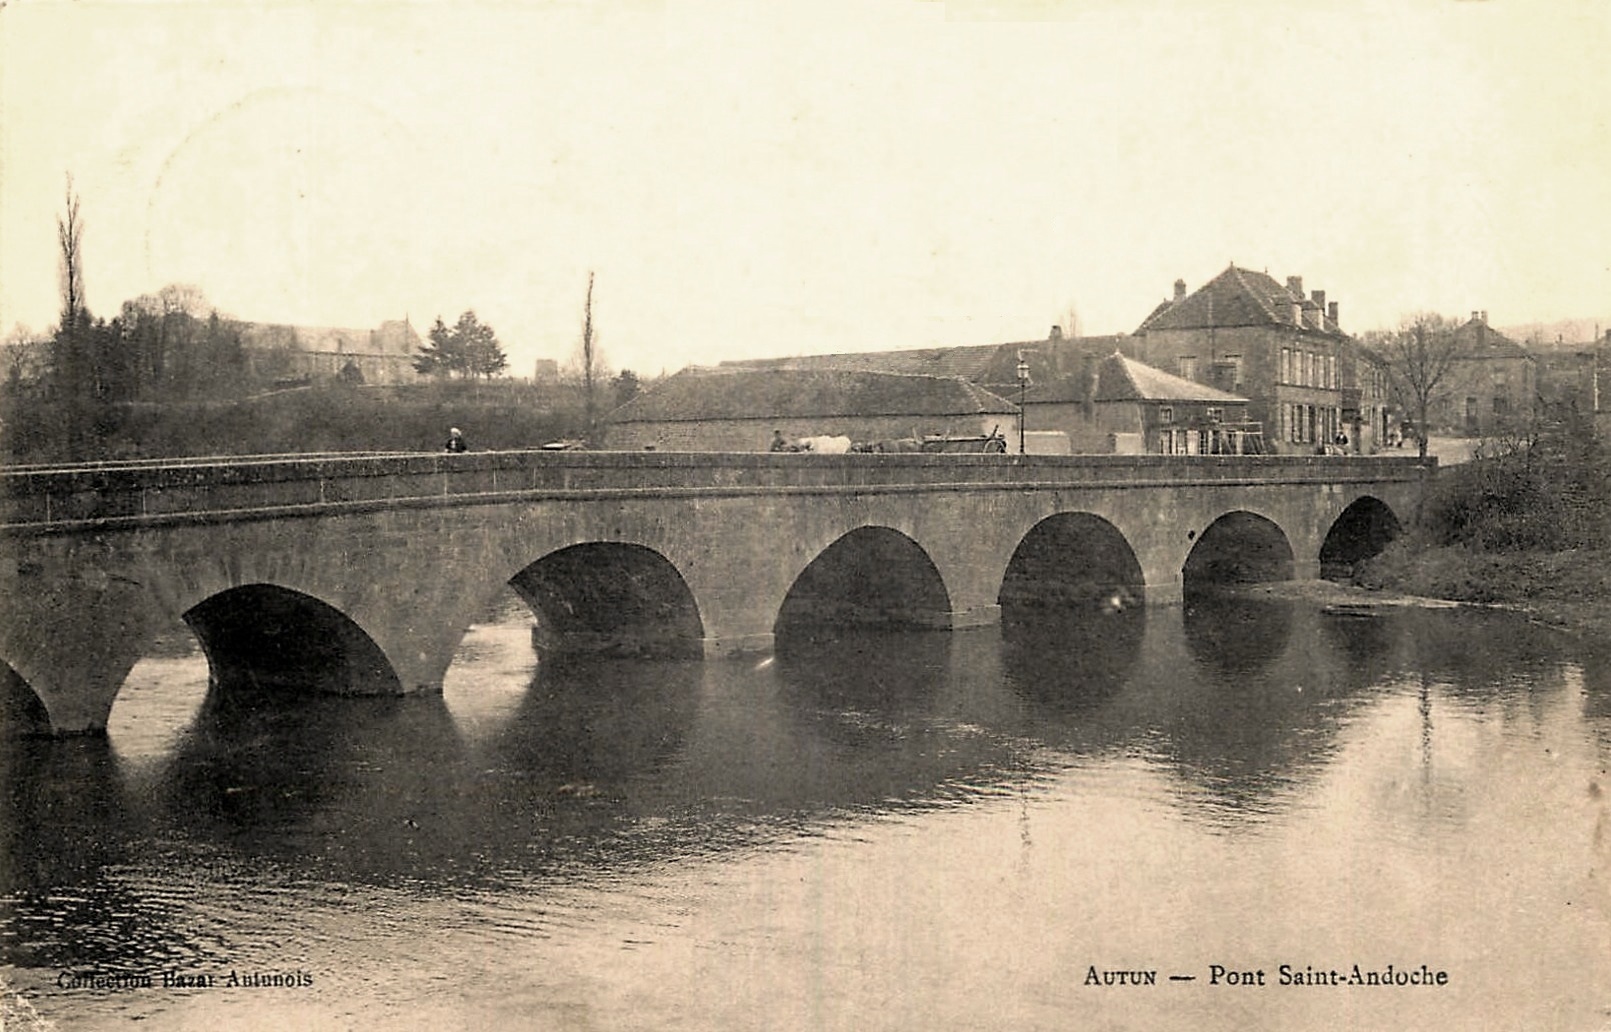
column 67, row 818
column 1238, row 548
column 248, row 761
column 1071, row 662
column 610, row 598
column 870, row 577
column 21, row 711
column 1233, row 635
column 587, row 720
column 1072, row 560
column 892, row 675
column 1363, row 530
column 266, row 636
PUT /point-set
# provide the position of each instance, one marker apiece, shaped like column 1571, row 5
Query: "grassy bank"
column 1570, row 589
column 1526, row 525
column 494, row 416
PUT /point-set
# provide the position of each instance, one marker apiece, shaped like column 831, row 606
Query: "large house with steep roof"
column 737, row 409
column 1248, row 334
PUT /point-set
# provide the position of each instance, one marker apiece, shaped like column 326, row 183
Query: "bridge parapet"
column 36, row 500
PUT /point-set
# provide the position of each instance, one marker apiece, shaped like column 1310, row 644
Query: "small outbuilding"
column 1128, row 406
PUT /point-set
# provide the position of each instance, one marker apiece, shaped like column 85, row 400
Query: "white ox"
column 824, row 445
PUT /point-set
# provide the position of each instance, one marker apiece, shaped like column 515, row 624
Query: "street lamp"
column 1023, row 383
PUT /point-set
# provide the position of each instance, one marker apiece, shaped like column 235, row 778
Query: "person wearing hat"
column 455, row 441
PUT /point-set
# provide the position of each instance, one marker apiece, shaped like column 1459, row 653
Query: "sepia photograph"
column 881, row 515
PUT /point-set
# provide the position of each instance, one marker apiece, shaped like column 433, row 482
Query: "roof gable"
column 1240, row 297
column 1124, row 379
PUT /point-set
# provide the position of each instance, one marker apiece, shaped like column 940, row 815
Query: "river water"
column 892, row 831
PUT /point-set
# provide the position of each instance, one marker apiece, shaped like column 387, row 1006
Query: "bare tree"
column 70, row 237
column 1420, row 356
column 589, row 364
column 1070, row 323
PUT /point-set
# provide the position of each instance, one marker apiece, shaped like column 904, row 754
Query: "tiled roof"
column 963, row 361
column 1479, row 340
column 1239, row 297
column 738, row 393
column 1124, row 379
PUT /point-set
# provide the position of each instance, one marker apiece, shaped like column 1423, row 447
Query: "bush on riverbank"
column 1527, row 523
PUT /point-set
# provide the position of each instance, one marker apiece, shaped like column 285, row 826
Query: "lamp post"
column 1023, row 383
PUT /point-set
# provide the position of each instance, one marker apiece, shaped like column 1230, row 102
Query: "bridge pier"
column 975, row 616
column 728, row 645
column 1163, row 586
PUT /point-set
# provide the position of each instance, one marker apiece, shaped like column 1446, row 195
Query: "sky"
column 746, row 180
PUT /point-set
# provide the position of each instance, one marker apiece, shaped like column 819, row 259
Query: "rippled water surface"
column 902, row 831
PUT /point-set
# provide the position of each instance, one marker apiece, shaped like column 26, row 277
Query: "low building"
column 1122, row 405
column 737, row 409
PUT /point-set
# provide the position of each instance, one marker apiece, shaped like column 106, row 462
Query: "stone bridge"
column 360, row 573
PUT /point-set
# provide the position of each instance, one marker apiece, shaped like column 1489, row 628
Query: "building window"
column 1166, row 415
column 1286, row 365
column 1215, row 415
column 1331, row 371
column 1188, row 366
column 1501, row 405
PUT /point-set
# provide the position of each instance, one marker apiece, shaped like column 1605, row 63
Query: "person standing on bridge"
column 455, row 441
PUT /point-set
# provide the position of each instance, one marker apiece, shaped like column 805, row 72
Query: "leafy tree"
column 467, row 349
column 627, row 386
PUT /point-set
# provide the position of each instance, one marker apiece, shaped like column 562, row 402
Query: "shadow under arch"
column 22, row 711
column 870, row 577
column 266, row 636
column 1361, row 532
column 1072, row 560
column 610, row 598
column 1238, row 548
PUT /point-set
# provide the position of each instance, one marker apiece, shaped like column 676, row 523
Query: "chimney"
column 1180, row 289
column 1319, row 298
column 1476, row 316
column 1485, row 317
column 1056, row 334
column 1331, row 313
column 1295, row 286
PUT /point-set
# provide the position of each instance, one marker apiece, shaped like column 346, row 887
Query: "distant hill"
column 1568, row 332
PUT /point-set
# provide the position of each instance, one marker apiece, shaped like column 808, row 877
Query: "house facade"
column 1493, row 385
column 384, row 355
column 1247, row 334
column 738, row 409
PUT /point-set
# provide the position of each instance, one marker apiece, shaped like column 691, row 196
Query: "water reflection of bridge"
column 359, row 573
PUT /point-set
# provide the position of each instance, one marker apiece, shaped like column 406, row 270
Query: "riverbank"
column 1568, row 590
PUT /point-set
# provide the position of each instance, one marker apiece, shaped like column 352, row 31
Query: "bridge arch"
column 264, row 635
column 22, row 711
column 610, row 597
column 1239, row 547
column 872, row 576
column 1072, row 561
column 1360, row 531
